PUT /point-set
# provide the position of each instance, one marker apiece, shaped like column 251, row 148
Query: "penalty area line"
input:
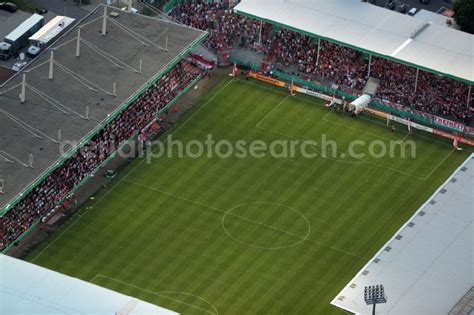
column 159, row 293
column 271, row 112
column 439, row 164
column 362, row 117
column 362, row 161
column 313, row 147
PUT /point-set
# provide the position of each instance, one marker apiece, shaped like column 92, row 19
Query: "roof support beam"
column 469, row 95
column 23, row 88
column 370, row 65
column 78, row 42
column 416, row 79
column 319, row 48
column 278, row 18
column 104, row 22
column 51, row 65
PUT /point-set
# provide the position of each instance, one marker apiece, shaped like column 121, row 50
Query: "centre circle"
column 266, row 225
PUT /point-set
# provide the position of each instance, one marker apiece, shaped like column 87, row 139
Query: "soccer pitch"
column 248, row 235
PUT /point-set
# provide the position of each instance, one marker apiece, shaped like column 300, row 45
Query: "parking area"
column 5, row 74
column 8, row 22
column 431, row 5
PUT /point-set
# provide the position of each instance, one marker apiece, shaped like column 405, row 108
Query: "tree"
column 464, row 15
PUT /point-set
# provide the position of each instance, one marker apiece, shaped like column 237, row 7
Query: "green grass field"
column 247, row 235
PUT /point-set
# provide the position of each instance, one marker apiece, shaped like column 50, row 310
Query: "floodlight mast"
column 373, row 295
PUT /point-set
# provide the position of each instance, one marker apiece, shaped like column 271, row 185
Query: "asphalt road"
column 61, row 7
column 433, row 5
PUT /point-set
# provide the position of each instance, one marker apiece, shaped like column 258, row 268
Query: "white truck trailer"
column 48, row 34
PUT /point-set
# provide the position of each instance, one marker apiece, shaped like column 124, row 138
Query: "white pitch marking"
column 361, row 117
column 79, row 215
column 163, row 294
column 243, row 218
column 439, row 164
column 273, row 109
column 301, row 238
column 352, row 128
column 348, row 162
column 189, row 118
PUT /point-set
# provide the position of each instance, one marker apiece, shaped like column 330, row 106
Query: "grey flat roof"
column 437, row 18
column 430, row 268
column 373, row 29
column 32, row 128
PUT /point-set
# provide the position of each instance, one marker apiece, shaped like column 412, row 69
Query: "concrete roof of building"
column 29, row 131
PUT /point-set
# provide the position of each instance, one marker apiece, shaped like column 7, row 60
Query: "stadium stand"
column 346, row 67
column 30, row 289
column 216, row 17
column 426, row 267
column 80, row 104
column 82, row 163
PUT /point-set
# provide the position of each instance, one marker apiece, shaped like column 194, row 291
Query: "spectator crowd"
column 82, row 163
column 343, row 66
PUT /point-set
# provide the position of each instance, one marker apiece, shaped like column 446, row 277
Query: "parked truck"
column 18, row 38
column 48, row 34
column 5, row 51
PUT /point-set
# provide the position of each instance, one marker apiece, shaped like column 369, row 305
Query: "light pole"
column 373, row 295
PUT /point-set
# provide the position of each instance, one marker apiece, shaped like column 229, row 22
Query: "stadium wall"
column 89, row 176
